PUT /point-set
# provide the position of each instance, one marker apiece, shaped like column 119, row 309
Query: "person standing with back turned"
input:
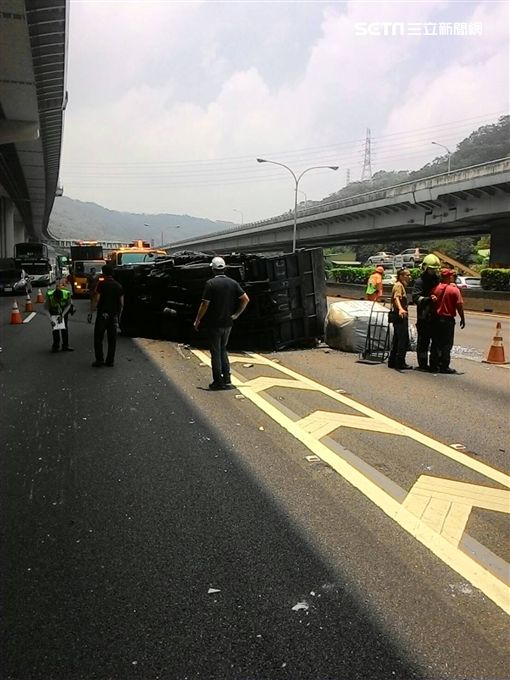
column 424, row 299
column 108, row 301
column 223, row 301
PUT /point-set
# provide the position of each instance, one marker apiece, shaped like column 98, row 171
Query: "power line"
column 294, row 151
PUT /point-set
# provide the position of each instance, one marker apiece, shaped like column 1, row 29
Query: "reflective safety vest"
column 58, row 306
column 373, row 289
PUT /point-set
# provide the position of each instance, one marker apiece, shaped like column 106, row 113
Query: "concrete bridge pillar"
column 19, row 231
column 6, row 227
column 500, row 246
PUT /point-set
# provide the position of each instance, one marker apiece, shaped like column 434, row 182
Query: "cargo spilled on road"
column 287, row 298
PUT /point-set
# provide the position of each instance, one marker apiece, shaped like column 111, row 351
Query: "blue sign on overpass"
column 471, row 200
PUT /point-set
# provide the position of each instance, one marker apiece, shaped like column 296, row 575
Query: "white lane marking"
column 29, row 317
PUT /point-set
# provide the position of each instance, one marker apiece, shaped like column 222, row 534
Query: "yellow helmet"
column 430, row 262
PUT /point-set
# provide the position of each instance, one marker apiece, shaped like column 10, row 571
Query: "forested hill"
column 488, row 143
column 75, row 219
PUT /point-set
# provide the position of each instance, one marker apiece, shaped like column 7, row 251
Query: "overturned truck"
column 287, row 298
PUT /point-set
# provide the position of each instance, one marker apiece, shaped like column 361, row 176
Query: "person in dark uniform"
column 423, row 298
column 223, row 300
column 400, row 321
column 108, row 301
column 91, row 287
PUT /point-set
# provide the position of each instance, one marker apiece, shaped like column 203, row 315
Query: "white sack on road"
column 347, row 322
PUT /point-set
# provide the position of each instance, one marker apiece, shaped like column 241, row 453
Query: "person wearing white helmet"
column 424, row 299
column 223, row 300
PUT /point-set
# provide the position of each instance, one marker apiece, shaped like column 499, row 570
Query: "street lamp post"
column 296, row 182
column 178, row 226
column 240, row 212
column 447, row 151
column 304, row 194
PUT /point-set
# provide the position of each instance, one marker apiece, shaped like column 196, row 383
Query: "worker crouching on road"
column 59, row 305
column 398, row 316
column 223, row 301
column 423, row 298
column 108, row 302
column 447, row 304
column 374, row 289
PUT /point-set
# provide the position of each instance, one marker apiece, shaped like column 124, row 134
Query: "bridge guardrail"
column 490, row 168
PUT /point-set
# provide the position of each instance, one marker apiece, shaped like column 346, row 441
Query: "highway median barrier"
column 492, row 301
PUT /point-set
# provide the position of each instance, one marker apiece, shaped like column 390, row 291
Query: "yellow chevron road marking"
column 458, row 456
column 322, row 423
column 445, row 505
column 264, row 383
column 436, row 521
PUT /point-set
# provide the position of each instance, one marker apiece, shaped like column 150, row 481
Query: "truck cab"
column 137, row 252
column 81, row 275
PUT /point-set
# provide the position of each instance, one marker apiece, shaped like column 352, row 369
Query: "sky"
column 170, row 103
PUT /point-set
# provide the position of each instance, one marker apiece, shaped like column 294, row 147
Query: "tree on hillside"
column 483, row 243
column 460, row 248
column 380, row 180
column 488, row 143
column 485, row 144
column 364, row 251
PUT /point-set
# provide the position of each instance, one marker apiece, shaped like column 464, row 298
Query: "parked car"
column 383, row 258
column 468, row 282
column 410, row 257
column 389, row 280
column 14, row 280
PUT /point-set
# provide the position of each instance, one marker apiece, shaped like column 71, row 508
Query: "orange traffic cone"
column 496, row 353
column 40, row 296
column 28, row 304
column 15, row 313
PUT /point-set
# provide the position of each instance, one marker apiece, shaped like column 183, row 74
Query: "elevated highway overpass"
column 468, row 201
column 33, row 54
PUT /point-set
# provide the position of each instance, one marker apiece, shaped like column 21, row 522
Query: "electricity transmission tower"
column 366, row 173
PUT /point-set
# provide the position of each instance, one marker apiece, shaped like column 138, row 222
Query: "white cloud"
column 474, row 83
column 180, row 94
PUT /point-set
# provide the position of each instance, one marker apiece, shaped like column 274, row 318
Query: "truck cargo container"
column 287, row 298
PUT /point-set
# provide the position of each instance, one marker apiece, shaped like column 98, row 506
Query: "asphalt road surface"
column 285, row 529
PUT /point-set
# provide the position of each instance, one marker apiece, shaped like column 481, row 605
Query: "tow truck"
column 137, row 252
